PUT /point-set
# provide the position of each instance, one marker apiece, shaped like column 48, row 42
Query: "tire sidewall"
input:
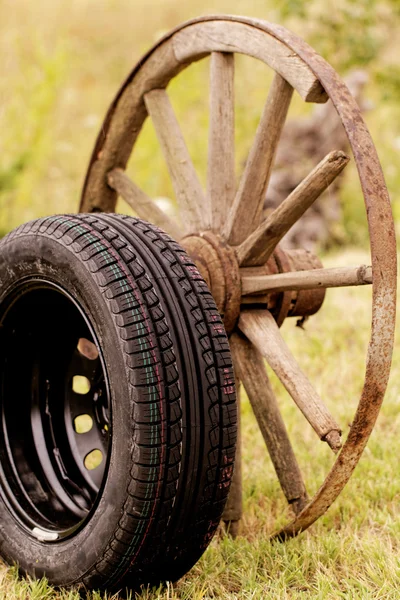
column 70, row 560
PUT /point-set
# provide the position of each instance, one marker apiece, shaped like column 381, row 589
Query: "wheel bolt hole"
column 83, row 423
column 93, row 459
column 80, row 384
column 87, row 349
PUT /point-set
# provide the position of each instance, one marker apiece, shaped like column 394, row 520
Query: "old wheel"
column 255, row 284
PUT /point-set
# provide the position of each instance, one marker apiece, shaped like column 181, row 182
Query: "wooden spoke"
column 258, row 247
column 221, row 149
column 143, row 206
column 186, row 184
column 247, row 208
column 249, row 366
column 304, row 280
column 260, row 327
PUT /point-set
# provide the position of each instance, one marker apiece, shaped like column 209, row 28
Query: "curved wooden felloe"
column 237, row 218
column 167, row 58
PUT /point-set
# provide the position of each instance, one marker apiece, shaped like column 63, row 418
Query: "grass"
column 62, row 63
column 353, row 551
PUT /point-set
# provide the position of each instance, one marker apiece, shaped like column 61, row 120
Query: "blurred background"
column 63, row 61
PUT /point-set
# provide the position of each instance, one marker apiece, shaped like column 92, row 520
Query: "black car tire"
column 167, row 425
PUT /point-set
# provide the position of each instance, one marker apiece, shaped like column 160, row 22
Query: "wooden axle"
column 287, row 303
column 304, row 280
column 291, row 283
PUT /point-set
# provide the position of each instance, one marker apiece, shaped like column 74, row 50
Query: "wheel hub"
column 218, row 265
column 46, row 480
column 292, row 303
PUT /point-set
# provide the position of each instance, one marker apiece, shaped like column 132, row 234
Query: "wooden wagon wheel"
column 255, row 284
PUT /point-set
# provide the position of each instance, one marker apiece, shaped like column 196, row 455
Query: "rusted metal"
column 286, row 298
column 277, row 303
column 383, row 255
column 305, row 302
column 291, row 303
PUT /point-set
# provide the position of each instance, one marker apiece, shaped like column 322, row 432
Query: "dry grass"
column 351, row 552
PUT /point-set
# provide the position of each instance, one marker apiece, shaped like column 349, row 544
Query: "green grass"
column 62, row 63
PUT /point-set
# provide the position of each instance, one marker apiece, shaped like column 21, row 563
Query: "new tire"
column 135, row 495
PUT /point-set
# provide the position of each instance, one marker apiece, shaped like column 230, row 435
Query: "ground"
column 351, row 552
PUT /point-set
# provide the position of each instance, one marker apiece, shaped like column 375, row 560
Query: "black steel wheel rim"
column 55, row 430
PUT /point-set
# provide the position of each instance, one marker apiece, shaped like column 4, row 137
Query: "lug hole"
column 93, row 459
column 87, row 349
column 83, row 423
column 80, row 384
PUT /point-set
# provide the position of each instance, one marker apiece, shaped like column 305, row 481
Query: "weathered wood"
column 247, row 208
column 261, row 329
column 199, row 39
column 221, row 148
column 140, row 202
column 249, row 366
column 186, row 184
column 258, row 247
column 118, row 139
column 170, row 56
column 234, row 506
column 305, row 140
column 123, row 124
column 304, row 280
